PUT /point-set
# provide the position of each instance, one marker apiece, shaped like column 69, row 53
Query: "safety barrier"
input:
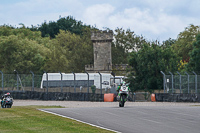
column 177, row 97
column 25, row 95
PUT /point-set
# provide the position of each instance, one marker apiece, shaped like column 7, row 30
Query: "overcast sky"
column 154, row 19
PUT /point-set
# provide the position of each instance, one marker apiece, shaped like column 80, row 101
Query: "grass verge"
column 27, row 119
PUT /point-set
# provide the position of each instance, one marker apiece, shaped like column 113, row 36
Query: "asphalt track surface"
column 137, row 119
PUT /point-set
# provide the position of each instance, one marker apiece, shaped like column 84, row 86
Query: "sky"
column 153, row 19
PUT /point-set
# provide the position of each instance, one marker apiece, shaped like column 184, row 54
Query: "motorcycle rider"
column 119, row 87
column 4, row 97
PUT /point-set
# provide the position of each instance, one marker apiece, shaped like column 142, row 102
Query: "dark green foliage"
column 168, row 43
column 194, row 62
column 146, row 66
column 93, row 88
column 67, row 24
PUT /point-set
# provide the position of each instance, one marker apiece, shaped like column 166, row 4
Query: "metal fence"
column 20, row 82
column 42, row 87
column 32, row 82
column 181, row 83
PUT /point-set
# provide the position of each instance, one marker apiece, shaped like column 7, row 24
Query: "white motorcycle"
column 122, row 98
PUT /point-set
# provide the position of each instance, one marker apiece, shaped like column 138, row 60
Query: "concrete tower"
column 102, row 51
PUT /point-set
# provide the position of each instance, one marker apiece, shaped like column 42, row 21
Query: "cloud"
column 150, row 23
column 157, row 19
column 98, row 15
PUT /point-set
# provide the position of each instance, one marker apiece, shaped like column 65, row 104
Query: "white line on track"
column 79, row 121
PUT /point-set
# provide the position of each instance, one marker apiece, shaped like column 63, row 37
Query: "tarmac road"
column 138, row 119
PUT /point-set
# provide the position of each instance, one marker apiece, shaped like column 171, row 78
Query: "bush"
column 93, row 88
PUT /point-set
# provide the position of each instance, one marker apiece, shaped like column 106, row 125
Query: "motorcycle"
column 7, row 102
column 122, row 98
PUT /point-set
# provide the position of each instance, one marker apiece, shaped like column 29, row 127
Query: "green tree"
column 168, row 43
column 146, row 66
column 21, row 54
column 194, row 62
column 25, row 50
column 69, row 52
column 67, row 24
column 124, row 42
column 6, row 30
column 183, row 45
column 22, row 49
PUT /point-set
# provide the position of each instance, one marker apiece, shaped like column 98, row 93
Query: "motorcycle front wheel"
column 8, row 106
column 122, row 101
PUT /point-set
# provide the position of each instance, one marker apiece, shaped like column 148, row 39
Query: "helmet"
column 123, row 83
column 8, row 93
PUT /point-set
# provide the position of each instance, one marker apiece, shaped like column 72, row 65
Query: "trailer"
column 80, row 79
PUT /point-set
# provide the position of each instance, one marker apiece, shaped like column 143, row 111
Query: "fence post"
column 100, row 83
column 113, row 74
column 47, row 86
column 88, row 82
column 195, row 82
column 172, row 81
column 32, row 80
column 188, row 82
column 17, row 80
column 61, row 82
column 180, row 81
column 163, row 79
column 74, row 82
column 2, row 80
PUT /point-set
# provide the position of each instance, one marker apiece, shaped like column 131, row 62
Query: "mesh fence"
column 54, row 83
column 182, row 84
column 20, row 82
column 58, row 87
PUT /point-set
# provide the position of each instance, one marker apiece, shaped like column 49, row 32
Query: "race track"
column 138, row 119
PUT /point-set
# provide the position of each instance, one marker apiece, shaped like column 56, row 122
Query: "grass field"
column 27, row 119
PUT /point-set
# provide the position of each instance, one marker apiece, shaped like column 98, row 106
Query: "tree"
column 146, row 66
column 23, row 50
column 124, row 42
column 69, row 52
column 6, row 30
column 168, row 43
column 183, row 45
column 21, row 54
column 194, row 62
column 67, row 24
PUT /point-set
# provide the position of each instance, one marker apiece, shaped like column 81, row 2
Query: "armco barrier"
column 177, row 97
column 55, row 96
column 68, row 96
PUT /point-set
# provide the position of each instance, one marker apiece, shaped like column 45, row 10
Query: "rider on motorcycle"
column 4, row 97
column 119, row 87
